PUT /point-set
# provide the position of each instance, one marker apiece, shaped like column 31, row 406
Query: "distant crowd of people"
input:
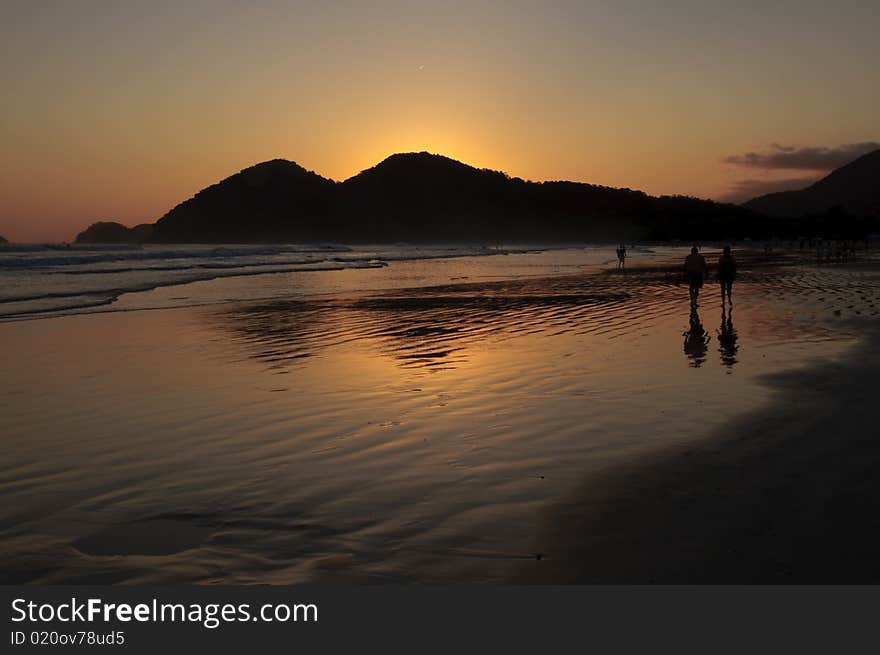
column 828, row 251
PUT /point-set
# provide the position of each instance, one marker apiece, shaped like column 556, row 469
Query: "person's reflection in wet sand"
column 727, row 338
column 696, row 340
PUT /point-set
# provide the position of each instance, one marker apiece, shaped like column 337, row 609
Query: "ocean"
column 53, row 280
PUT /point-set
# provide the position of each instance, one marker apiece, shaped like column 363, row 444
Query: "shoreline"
column 409, row 433
column 107, row 298
column 786, row 495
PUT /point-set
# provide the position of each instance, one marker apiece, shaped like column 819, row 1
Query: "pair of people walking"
column 697, row 270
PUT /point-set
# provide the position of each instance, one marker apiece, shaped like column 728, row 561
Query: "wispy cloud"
column 743, row 190
column 810, row 158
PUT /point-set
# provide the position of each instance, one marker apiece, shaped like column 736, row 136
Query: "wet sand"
column 786, row 495
column 444, row 428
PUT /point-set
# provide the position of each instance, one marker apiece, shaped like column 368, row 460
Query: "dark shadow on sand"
column 787, row 495
column 149, row 537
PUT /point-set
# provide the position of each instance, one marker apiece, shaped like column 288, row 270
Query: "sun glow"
column 122, row 115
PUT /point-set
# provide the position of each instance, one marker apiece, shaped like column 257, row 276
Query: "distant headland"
column 112, row 232
column 423, row 197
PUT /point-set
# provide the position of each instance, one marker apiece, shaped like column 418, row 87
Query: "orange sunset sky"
column 119, row 110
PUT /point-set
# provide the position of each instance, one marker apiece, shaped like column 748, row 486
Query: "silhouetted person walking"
column 621, row 256
column 696, row 269
column 726, row 274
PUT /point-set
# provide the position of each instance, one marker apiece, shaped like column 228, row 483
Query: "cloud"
column 811, row 158
column 743, row 190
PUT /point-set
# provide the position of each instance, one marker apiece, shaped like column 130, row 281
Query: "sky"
column 119, row 110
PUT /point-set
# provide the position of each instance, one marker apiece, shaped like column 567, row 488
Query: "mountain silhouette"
column 419, row 196
column 853, row 188
column 274, row 200
column 2, row 240
column 427, row 197
column 112, row 232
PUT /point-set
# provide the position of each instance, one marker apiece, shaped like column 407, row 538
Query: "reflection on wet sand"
column 430, row 328
column 728, row 345
column 435, row 328
column 696, row 339
column 415, row 436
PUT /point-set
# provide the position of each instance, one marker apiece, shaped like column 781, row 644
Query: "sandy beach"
column 785, row 495
column 535, row 417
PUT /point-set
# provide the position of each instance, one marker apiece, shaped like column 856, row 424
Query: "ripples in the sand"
column 387, row 436
column 422, row 328
column 435, row 326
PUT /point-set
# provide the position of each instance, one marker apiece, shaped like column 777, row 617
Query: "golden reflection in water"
column 398, row 427
column 433, row 329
